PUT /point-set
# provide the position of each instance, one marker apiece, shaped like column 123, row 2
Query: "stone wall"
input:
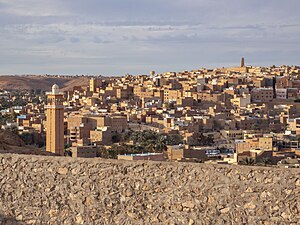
column 59, row 190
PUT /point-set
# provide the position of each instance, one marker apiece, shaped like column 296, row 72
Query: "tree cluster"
column 136, row 142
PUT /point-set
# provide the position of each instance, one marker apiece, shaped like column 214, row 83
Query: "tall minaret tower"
column 243, row 62
column 55, row 121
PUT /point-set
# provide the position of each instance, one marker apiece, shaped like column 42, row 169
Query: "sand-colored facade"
column 55, row 122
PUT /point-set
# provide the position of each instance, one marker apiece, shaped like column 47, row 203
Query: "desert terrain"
column 44, row 83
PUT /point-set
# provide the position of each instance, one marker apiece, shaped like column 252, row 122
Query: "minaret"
column 55, row 121
column 92, row 85
column 243, row 62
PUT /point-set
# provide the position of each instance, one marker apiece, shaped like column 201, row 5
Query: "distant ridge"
column 41, row 82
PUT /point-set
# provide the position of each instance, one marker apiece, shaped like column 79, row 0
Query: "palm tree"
column 265, row 161
column 135, row 149
column 161, row 144
column 204, row 140
column 150, row 147
column 112, row 154
column 113, row 151
column 174, row 139
column 248, row 161
column 126, row 135
column 134, row 136
column 148, row 135
column 68, row 152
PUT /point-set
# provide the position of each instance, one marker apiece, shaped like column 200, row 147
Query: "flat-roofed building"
column 84, row 151
column 184, row 153
column 262, row 95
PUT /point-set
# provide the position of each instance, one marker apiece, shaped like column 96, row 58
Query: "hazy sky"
column 135, row 36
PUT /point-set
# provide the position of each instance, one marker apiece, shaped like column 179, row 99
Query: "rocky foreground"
column 59, row 190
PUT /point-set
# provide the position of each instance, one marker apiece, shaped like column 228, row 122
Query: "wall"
column 59, row 190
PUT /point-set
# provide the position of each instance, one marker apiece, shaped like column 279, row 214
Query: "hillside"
column 8, row 138
column 12, row 143
column 41, row 82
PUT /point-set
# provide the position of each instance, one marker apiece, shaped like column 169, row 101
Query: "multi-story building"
column 262, row 95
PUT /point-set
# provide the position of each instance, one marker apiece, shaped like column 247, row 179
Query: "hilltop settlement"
column 240, row 115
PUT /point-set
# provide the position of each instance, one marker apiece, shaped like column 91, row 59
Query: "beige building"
column 84, row 151
column 294, row 125
column 172, row 95
column 262, row 95
column 232, row 134
column 55, row 122
column 184, row 153
column 94, row 84
column 102, row 136
column 261, row 143
column 241, row 101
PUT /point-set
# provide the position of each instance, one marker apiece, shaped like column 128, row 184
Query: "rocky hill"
column 60, row 190
column 12, row 143
column 41, row 82
column 10, row 140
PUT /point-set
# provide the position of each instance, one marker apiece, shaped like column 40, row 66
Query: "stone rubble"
column 60, row 190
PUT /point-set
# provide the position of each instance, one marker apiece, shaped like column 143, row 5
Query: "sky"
column 116, row 37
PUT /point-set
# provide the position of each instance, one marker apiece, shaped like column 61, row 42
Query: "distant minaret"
column 92, row 84
column 243, row 62
column 152, row 73
column 55, row 121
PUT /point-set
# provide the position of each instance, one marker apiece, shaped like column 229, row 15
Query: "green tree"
column 68, row 152
column 13, row 116
column 161, row 144
column 150, row 147
column 112, row 153
column 247, row 161
column 148, row 135
column 297, row 100
column 116, row 137
column 13, row 129
column 28, row 138
column 143, row 137
column 125, row 136
column 265, row 161
column 204, row 140
column 174, row 139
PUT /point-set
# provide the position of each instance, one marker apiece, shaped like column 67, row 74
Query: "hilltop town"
column 240, row 115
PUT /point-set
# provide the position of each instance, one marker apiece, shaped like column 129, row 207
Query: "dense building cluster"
column 231, row 115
